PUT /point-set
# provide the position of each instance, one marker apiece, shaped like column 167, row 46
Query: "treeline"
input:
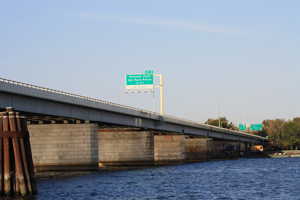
column 280, row 133
column 283, row 134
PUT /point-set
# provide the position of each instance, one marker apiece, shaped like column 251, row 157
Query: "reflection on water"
column 238, row 179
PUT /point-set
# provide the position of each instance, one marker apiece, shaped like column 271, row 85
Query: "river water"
column 263, row 178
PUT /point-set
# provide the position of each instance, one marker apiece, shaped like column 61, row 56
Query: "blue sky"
column 243, row 54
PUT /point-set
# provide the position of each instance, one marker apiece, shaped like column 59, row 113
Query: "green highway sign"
column 255, row 127
column 149, row 72
column 242, row 127
column 139, row 81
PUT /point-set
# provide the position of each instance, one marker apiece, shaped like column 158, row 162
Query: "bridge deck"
column 53, row 104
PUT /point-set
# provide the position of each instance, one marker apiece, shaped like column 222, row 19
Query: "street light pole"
column 219, row 112
column 153, row 101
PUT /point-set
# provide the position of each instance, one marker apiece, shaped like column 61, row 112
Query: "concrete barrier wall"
column 125, row 148
column 64, row 144
column 169, row 149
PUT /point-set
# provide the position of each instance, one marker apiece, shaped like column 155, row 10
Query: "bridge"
column 97, row 126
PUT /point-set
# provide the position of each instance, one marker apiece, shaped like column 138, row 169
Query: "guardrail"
column 101, row 101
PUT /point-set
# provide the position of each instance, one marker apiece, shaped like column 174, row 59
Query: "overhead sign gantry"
column 145, row 83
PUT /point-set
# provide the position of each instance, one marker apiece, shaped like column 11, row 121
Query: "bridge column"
column 64, row 146
column 247, row 148
column 125, row 147
column 169, row 149
column 242, row 149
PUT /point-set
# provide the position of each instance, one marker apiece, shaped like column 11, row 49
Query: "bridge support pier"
column 247, row 148
column 169, row 149
column 125, row 147
column 64, row 146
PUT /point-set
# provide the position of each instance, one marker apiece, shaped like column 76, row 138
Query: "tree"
column 296, row 120
column 274, row 131
column 266, row 123
column 262, row 133
column 224, row 123
column 291, row 133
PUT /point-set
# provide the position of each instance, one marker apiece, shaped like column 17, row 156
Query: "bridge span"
column 53, row 114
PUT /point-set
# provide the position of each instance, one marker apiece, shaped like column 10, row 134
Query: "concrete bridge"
column 68, row 129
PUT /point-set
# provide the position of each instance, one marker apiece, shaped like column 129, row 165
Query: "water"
column 237, row 179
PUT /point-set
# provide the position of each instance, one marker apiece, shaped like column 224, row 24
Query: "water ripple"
column 237, row 179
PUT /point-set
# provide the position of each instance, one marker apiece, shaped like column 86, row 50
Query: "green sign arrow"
column 149, row 72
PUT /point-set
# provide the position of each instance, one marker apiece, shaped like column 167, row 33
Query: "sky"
column 243, row 54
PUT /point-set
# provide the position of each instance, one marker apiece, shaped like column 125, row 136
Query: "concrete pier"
column 125, row 147
column 64, row 146
column 169, row 149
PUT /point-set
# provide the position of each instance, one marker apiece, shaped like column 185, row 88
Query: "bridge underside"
column 36, row 118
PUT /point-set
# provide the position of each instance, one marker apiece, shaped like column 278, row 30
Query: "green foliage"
column 296, row 120
column 285, row 135
column 291, row 133
column 262, row 133
column 275, row 129
column 224, row 123
column 267, row 122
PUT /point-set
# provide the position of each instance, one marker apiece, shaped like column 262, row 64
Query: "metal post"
column 219, row 115
column 250, row 125
column 161, row 86
column 153, row 101
column 161, row 95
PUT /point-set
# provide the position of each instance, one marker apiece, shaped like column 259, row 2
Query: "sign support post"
column 142, row 82
column 161, row 86
column 153, row 100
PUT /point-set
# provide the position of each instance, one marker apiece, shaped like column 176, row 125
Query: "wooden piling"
column 1, row 152
column 7, row 175
column 16, row 165
column 29, row 157
column 23, row 152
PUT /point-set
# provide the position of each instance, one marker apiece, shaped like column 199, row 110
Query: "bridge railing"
column 95, row 100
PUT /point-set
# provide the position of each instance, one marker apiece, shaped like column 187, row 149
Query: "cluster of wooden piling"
column 17, row 175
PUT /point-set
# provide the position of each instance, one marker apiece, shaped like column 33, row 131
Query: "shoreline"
column 41, row 175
